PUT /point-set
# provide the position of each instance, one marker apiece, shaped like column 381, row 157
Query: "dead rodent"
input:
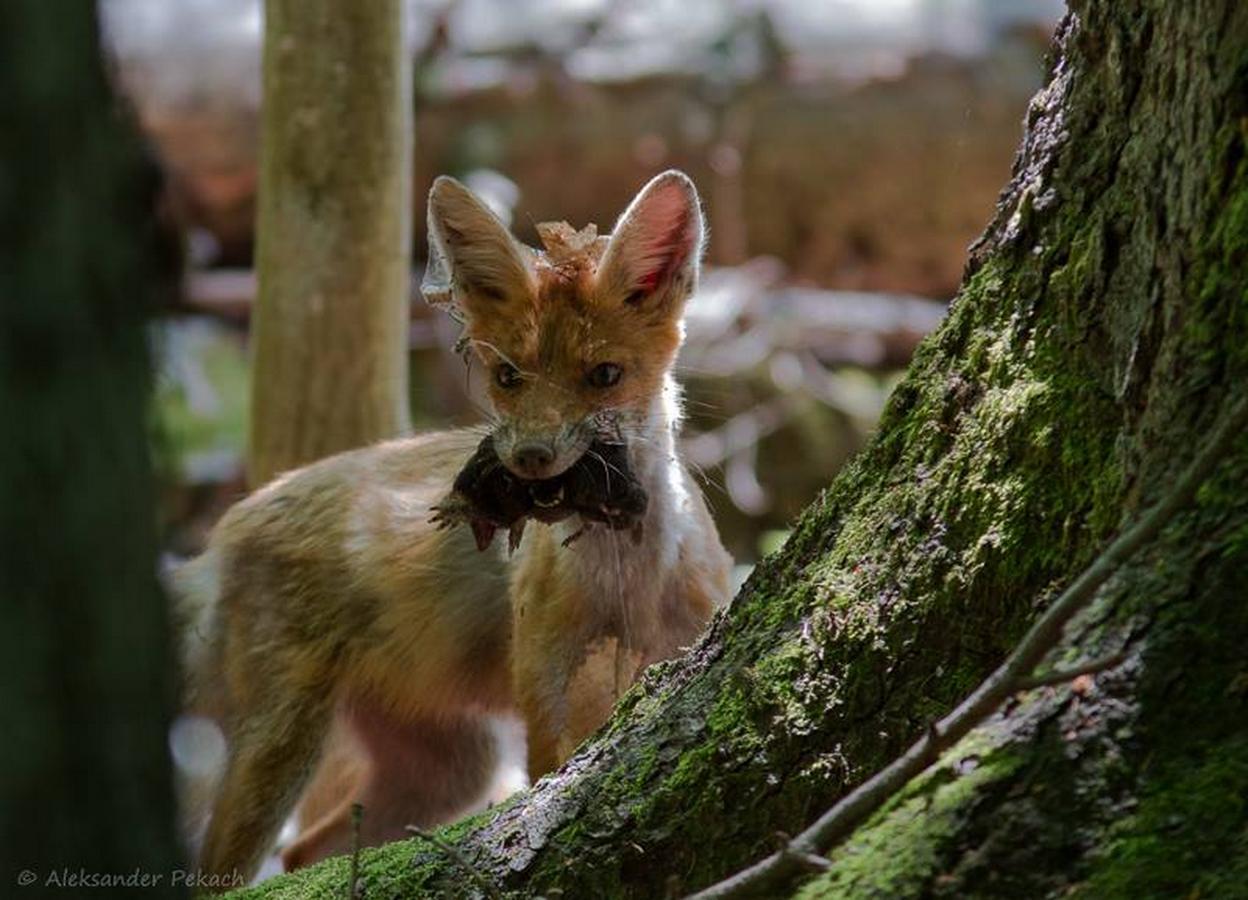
column 600, row 487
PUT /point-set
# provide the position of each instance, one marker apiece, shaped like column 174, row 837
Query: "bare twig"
column 357, row 816
column 838, row 822
column 810, row 861
column 1061, row 676
column 459, row 859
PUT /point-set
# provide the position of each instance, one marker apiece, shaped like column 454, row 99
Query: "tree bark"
column 1100, row 331
column 334, row 233
column 85, row 782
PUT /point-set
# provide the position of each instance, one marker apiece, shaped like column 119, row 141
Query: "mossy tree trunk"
column 86, row 787
column 330, row 325
column 1101, row 329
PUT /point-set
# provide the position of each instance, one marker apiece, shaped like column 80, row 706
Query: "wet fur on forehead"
column 569, row 321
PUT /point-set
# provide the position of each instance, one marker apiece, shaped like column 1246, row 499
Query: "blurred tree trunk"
column 1101, row 329
column 85, row 674
column 330, row 324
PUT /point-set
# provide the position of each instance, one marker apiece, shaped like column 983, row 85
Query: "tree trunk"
column 85, row 783
column 1101, row 330
column 330, row 323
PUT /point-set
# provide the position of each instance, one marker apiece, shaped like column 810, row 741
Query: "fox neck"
column 616, row 567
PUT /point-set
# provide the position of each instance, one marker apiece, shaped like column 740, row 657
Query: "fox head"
column 577, row 339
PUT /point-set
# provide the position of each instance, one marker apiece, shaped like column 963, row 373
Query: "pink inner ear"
column 666, row 252
column 650, row 280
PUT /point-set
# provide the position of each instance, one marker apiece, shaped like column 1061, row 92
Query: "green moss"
column 1220, row 273
column 1187, row 831
column 895, row 853
column 1077, row 276
column 1165, row 849
column 408, row 868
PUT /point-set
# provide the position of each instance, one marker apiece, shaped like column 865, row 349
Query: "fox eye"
column 604, row 375
column 507, row 375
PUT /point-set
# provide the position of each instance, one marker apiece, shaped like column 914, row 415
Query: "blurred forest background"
column 847, row 151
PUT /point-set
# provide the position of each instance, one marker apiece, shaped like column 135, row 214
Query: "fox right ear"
column 474, row 262
column 656, row 247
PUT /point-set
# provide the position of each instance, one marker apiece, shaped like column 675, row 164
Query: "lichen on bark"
column 1102, row 324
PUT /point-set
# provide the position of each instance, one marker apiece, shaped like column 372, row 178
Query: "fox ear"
column 653, row 256
column 474, row 262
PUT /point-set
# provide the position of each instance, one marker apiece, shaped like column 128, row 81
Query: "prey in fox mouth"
column 600, row 488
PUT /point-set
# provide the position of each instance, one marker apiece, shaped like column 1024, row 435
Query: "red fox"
column 354, row 651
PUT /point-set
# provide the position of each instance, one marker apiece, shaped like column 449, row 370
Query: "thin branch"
column 357, row 816
column 811, row 861
column 459, row 859
column 838, row 822
column 1061, row 676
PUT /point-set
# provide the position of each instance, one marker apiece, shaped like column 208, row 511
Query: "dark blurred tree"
column 85, row 781
column 1100, row 333
column 329, row 329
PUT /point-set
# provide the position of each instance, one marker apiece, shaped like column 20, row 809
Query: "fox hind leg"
column 272, row 752
column 424, row 772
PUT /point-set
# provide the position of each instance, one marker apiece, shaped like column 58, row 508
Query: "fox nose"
column 533, row 458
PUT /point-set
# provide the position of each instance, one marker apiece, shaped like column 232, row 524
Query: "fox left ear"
column 474, row 262
column 653, row 256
